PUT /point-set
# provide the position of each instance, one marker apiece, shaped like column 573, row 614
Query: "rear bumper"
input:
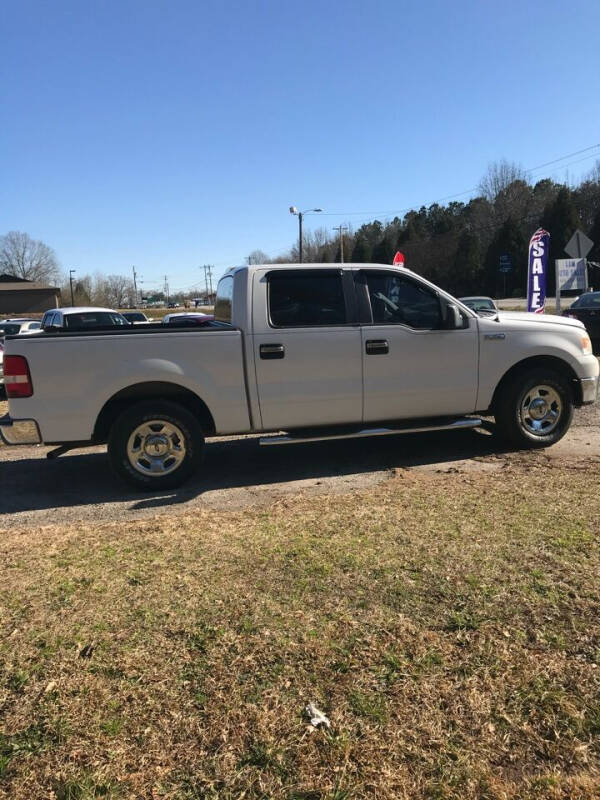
column 589, row 390
column 19, row 431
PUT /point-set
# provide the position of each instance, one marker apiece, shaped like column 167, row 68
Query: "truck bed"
column 68, row 394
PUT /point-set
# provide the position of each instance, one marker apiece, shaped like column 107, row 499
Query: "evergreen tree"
column 561, row 221
column 361, row 252
column 594, row 235
column 508, row 241
column 467, row 271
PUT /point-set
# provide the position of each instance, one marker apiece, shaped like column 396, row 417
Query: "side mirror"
column 454, row 320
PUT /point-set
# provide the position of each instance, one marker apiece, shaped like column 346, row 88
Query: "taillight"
column 17, row 380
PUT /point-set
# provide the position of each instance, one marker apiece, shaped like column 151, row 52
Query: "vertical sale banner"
column 539, row 248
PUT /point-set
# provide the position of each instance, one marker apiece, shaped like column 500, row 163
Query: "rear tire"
column 534, row 409
column 155, row 445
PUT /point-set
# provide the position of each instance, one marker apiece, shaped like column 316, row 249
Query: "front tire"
column 155, row 445
column 534, row 409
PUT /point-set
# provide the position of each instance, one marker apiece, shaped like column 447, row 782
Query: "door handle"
column 377, row 347
column 269, row 351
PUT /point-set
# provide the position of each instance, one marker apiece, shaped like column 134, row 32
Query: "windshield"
column 94, row 319
column 588, row 301
column 9, row 329
column 480, row 304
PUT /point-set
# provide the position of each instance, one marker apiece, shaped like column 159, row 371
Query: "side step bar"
column 457, row 424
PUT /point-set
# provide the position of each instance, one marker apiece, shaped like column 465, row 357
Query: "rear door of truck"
column 307, row 348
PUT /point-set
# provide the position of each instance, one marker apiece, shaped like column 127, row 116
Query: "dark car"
column 586, row 308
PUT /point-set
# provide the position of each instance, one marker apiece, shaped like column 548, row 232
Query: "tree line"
column 458, row 245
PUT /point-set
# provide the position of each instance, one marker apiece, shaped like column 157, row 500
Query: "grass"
column 447, row 624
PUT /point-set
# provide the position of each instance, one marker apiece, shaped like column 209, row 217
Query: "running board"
column 457, row 424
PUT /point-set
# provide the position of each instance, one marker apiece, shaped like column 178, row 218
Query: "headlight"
column 586, row 346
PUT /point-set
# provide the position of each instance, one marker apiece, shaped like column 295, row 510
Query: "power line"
column 466, row 191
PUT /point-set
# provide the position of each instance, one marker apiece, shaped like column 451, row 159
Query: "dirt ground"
column 239, row 474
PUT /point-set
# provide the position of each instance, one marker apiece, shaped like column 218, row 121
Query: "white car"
column 480, row 304
column 306, row 351
column 18, row 325
column 137, row 317
column 187, row 318
column 82, row 318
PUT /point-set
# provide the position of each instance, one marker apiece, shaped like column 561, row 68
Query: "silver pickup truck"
column 313, row 351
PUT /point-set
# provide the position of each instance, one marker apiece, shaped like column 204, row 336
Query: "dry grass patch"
column 447, row 625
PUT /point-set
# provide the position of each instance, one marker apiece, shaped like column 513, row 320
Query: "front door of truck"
column 307, row 348
column 413, row 365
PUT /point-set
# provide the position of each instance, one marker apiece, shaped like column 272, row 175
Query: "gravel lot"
column 239, row 474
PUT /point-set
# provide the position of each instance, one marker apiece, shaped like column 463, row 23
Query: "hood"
column 537, row 319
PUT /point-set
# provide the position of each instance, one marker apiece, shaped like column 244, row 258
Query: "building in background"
column 18, row 296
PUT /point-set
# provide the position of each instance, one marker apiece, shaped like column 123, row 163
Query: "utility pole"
column 300, row 215
column 71, row 271
column 134, row 286
column 167, row 289
column 341, row 228
column 208, row 281
column 205, row 283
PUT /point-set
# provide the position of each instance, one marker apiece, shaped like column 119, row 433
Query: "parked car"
column 480, row 305
column 137, row 317
column 586, row 308
column 82, row 318
column 18, row 325
column 316, row 351
column 187, row 318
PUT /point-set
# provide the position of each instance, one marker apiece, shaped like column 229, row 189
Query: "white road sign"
column 579, row 245
column 570, row 273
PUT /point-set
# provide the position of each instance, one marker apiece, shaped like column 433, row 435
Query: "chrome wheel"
column 540, row 411
column 156, row 448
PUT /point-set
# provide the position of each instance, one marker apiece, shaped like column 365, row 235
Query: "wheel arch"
column 151, row 390
column 539, row 362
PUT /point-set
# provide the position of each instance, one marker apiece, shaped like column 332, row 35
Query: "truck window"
column 396, row 300
column 224, row 300
column 303, row 299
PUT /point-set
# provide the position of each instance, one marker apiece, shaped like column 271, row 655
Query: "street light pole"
column 71, row 271
column 300, row 215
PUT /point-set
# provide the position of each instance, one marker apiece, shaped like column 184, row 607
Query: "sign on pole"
column 539, row 246
column 505, row 264
column 571, row 273
column 579, row 245
column 398, row 259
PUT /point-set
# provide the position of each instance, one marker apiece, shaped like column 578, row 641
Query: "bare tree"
column 594, row 174
column 24, row 257
column 115, row 291
column 258, row 257
column 499, row 175
column 82, row 289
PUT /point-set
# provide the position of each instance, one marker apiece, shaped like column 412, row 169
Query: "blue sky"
column 173, row 134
